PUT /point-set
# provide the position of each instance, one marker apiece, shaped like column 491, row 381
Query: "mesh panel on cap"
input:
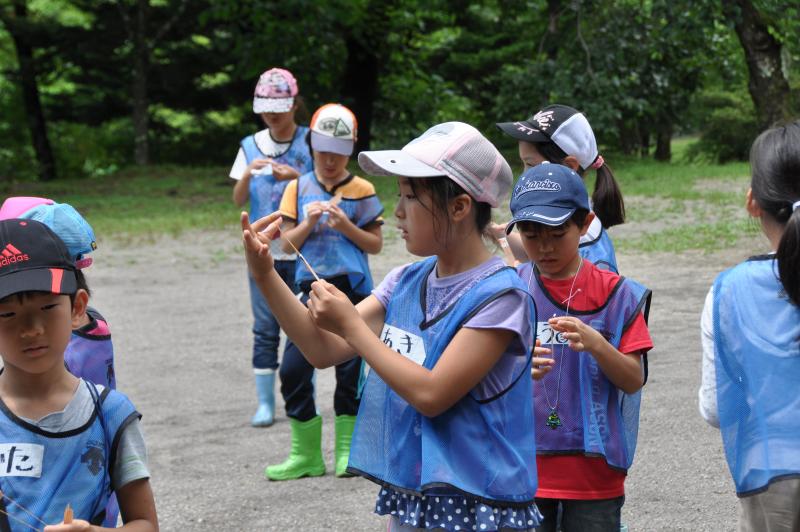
column 478, row 167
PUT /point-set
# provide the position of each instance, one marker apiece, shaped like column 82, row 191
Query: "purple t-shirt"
column 509, row 311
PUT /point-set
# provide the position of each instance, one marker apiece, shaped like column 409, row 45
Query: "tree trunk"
column 361, row 87
column 663, row 141
column 141, row 63
column 768, row 86
column 551, row 37
column 30, row 95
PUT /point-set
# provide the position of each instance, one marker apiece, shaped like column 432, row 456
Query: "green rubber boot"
column 305, row 456
column 344, row 433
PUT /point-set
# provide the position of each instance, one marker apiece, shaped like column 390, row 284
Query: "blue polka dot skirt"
column 451, row 512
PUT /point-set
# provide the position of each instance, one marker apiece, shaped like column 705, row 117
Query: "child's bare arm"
column 298, row 233
column 368, row 239
column 624, row 370
column 320, row 347
column 136, row 504
column 467, row 359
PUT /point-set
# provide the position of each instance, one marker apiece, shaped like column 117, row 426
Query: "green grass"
column 678, row 205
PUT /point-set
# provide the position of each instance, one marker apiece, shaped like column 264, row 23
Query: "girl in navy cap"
column 592, row 324
column 561, row 134
column 751, row 345
column 445, row 425
column 265, row 163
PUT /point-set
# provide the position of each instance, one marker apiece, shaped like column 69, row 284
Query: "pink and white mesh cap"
column 452, row 149
column 275, row 92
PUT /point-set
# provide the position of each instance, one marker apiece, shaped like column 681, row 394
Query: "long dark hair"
column 775, row 164
column 607, row 202
column 442, row 190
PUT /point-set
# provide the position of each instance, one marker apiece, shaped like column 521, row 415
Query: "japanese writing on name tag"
column 407, row 344
column 21, row 460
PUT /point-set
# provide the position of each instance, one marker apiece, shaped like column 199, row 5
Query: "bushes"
column 728, row 127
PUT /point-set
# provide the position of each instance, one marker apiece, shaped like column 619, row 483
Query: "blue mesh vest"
column 597, row 418
column 757, row 361
column 45, row 471
column 329, row 251
column 90, row 354
column 600, row 252
column 266, row 191
column 484, row 445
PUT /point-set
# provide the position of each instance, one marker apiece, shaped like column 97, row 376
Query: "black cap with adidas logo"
column 33, row 259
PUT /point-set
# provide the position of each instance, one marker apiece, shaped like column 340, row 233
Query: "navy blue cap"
column 548, row 194
column 34, row 258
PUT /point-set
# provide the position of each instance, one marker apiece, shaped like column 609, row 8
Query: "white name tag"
column 407, row 344
column 21, row 460
column 547, row 335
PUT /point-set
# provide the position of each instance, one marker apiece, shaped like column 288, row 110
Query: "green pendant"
column 553, row 421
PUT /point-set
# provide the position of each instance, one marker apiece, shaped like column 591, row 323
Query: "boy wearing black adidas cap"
column 63, row 441
column 561, row 134
column 586, row 396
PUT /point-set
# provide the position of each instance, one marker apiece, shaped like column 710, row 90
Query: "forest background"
column 92, row 89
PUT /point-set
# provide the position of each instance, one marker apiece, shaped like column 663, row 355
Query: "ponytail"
column 788, row 257
column 607, row 202
column 775, row 185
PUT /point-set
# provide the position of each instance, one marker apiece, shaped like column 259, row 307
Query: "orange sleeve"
column 288, row 207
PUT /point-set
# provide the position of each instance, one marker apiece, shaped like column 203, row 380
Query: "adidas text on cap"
column 548, row 194
column 566, row 127
column 334, row 129
column 453, row 149
column 33, row 259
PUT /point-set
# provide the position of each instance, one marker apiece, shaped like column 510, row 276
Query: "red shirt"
column 576, row 476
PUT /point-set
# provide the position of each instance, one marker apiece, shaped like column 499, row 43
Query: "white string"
column 561, row 353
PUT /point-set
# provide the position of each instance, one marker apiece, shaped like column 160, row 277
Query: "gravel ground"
column 179, row 313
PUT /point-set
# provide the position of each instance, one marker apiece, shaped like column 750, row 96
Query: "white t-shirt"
column 268, row 146
column 595, row 228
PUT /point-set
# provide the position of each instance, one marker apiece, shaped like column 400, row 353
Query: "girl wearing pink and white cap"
column 266, row 162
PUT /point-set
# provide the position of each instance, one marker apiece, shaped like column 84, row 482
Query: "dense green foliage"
column 642, row 71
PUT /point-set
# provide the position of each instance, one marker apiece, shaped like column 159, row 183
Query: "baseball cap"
column 62, row 218
column 548, row 194
column 275, row 92
column 334, row 129
column 567, row 127
column 452, row 149
column 33, row 258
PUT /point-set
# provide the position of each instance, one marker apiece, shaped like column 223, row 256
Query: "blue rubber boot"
column 265, row 389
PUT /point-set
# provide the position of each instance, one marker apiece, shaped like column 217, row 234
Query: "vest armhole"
column 135, row 415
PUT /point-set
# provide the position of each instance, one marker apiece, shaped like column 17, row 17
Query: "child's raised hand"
column 541, row 366
column 256, row 238
column 77, row 525
column 580, row 336
column 257, row 164
column 331, row 309
column 314, row 212
column 337, row 218
column 284, row 172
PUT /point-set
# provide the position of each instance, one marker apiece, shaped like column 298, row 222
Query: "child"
column 586, row 397
column 64, row 440
column 334, row 219
column 90, row 353
column 751, row 345
column 266, row 162
column 446, row 421
column 560, row 134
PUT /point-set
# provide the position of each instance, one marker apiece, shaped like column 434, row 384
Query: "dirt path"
column 180, row 317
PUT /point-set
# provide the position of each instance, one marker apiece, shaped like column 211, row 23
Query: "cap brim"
column 541, row 214
column 326, row 144
column 38, row 280
column 522, row 131
column 395, row 163
column 272, row 105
